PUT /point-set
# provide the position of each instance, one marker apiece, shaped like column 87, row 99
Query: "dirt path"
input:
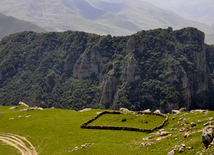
column 20, row 143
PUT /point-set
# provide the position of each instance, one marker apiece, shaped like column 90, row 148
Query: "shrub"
column 124, row 119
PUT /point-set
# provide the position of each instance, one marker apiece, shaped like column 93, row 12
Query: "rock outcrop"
column 93, row 60
column 22, row 103
column 207, row 135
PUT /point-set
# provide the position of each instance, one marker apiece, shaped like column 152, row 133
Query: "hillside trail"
column 19, row 142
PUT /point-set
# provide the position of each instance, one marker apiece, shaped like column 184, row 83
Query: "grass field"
column 55, row 131
column 129, row 120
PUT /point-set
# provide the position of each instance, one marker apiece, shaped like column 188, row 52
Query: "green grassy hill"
column 10, row 25
column 54, row 131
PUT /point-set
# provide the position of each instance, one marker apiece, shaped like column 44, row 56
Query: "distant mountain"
column 198, row 10
column 123, row 17
column 210, row 39
column 68, row 15
column 148, row 16
column 10, row 25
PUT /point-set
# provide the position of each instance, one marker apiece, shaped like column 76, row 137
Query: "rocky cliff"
column 159, row 68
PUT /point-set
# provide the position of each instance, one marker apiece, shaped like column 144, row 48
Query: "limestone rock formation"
column 207, row 135
column 156, row 69
column 129, row 67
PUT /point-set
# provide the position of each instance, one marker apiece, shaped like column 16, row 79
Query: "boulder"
column 161, row 130
column 197, row 110
column 147, row 110
column 124, row 109
column 86, row 109
column 182, row 129
column 181, row 149
column 208, row 123
column 171, row 152
column 192, row 124
column 175, row 111
column 207, row 135
column 13, row 108
column 22, row 103
column 157, row 111
column 183, row 110
column 147, row 138
column 205, row 124
column 183, row 145
column 172, row 129
column 142, row 144
column 164, row 133
column 28, row 109
column 147, row 144
column 186, row 135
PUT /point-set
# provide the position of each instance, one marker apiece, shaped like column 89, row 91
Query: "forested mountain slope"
column 153, row 69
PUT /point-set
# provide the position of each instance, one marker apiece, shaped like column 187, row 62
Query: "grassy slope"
column 142, row 122
column 54, row 131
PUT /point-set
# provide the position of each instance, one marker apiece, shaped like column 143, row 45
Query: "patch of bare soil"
column 19, row 142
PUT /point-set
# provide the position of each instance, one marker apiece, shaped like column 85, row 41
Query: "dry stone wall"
column 86, row 126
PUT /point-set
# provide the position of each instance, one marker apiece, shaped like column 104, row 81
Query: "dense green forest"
column 159, row 68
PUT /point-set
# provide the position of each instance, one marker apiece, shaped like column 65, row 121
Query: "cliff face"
column 153, row 69
column 195, row 81
column 93, row 59
column 181, row 65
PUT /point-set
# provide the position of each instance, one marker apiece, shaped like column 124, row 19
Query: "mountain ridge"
column 91, row 16
column 156, row 69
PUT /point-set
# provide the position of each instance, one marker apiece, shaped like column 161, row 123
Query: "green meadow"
column 129, row 120
column 57, row 131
